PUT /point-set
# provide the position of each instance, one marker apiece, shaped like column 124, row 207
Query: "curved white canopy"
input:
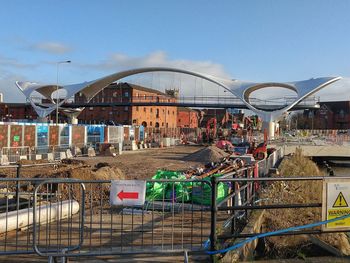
column 241, row 89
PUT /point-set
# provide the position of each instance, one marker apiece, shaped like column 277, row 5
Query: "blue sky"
column 249, row 40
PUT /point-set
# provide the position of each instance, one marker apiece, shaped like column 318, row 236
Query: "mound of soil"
column 26, row 162
column 108, row 173
column 207, row 155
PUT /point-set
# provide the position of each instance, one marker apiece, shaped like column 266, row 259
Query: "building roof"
column 138, row 87
column 336, row 106
column 186, row 109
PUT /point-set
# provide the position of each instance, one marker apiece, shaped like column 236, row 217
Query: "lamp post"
column 57, row 98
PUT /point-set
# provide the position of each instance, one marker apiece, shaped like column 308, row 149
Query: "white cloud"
column 118, row 61
column 51, row 47
column 338, row 91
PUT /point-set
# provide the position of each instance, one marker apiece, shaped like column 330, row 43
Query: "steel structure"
column 241, row 89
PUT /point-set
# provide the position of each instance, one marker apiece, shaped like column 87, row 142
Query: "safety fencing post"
column 213, row 214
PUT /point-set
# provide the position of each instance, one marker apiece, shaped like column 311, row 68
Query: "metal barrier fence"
column 55, row 152
column 244, row 200
column 74, row 218
column 67, row 217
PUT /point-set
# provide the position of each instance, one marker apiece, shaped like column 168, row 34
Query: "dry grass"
column 298, row 192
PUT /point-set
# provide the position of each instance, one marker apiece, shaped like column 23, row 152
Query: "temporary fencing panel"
column 16, row 136
column 115, row 134
column 78, row 135
column 137, row 133
column 4, row 129
column 141, row 133
column 29, row 135
column 126, row 133
column 95, row 134
column 42, row 135
column 63, row 217
column 53, row 135
column 65, row 135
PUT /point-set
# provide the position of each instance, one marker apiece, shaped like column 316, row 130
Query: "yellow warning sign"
column 336, row 203
column 340, row 201
column 334, row 213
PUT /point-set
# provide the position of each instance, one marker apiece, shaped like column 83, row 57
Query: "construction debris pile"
column 198, row 192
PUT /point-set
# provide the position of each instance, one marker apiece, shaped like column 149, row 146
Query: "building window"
column 126, row 108
column 134, row 121
column 173, row 112
column 114, row 94
column 110, row 113
column 137, row 108
column 162, row 124
column 168, row 112
column 91, row 108
column 144, row 109
column 167, row 125
column 150, row 124
column 151, row 110
column 126, row 94
column 103, row 108
column 157, row 113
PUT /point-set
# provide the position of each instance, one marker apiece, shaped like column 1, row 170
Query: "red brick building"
column 330, row 115
column 187, row 117
column 17, row 111
column 148, row 116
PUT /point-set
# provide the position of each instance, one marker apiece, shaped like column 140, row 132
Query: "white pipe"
column 44, row 214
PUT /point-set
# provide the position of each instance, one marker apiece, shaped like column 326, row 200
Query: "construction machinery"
column 259, row 151
column 211, row 129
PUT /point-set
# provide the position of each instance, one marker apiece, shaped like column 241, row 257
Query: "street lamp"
column 57, row 98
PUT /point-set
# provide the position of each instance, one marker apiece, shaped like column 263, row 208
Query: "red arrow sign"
column 128, row 195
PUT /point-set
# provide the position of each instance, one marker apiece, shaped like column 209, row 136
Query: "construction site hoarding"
column 78, row 135
column 95, row 134
column 126, row 133
column 115, row 134
column 53, row 135
column 65, row 135
column 16, row 135
column 29, row 135
column 42, row 135
column 4, row 130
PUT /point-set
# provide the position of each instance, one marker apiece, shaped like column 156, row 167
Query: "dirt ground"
column 141, row 164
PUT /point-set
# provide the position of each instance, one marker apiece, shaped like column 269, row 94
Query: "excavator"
column 259, row 151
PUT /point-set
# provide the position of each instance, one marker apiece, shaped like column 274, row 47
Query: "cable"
column 272, row 234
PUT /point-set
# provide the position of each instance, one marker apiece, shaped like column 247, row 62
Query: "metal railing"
column 74, row 218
